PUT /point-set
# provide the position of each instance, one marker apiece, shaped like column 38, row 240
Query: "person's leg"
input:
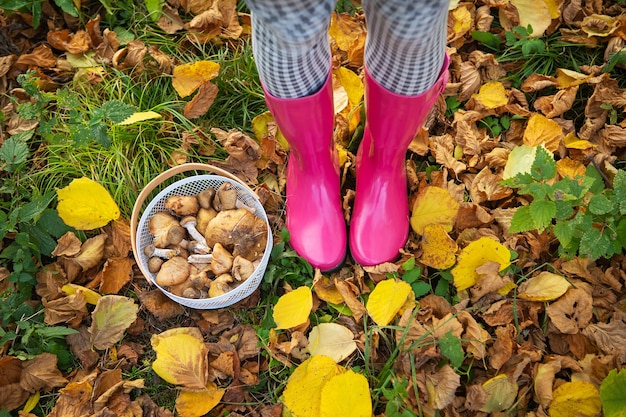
column 292, row 53
column 405, row 71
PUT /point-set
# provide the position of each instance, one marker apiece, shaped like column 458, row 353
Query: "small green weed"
column 586, row 217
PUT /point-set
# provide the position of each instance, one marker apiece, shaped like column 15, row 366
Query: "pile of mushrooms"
column 205, row 245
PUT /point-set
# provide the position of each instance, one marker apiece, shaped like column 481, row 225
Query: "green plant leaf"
column 154, row 8
column 612, row 394
column 621, row 232
column 67, row 6
column 564, row 232
column 522, row 220
column 594, row 244
column 542, row 212
column 421, row 288
column 595, row 178
column 488, row 39
column 55, row 331
column 544, row 167
column 564, row 210
column 451, row 348
column 14, row 153
column 600, row 204
column 114, row 111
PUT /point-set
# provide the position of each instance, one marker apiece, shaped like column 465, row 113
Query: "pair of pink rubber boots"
column 379, row 223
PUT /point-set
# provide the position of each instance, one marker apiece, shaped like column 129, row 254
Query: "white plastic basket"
column 140, row 236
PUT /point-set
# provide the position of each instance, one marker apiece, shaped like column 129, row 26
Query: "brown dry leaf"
column 486, row 187
column 243, row 154
column 470, row 80
column 441, row 385
column 502, row 349
column 348, row 293
column 81, row 348
column 70, row 309
column 474, row 337
column 439, row 249
column 12, row 395
column 74, row 43
column 160, row 305
column 41, row 373
column 202, row 101
column 67, row 245
column 75, row 400
column 41, row 56
column 117, row 272
column 609, row 337
column 131, row 56
column 537, row 82
column 557, row 104
column 541, row 130
column 573, row 311
column 347, row 33
column 170, row 21
column 91, row 252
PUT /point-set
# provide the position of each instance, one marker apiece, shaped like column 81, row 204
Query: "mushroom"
column 165, row 253
column 225, row 197
column 192, row 292
column 199, row 277
column 182, row 205
column 154, row 264
column 242, row 268
column 165, row 230
column 173, row 272
column 222, row 261
column 219, row 286
column 205, row 198
column 194, row 247
column 204, row 217
column 179, row 289
column 189, row 223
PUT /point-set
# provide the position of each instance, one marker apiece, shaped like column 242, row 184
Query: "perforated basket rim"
column 240, row 292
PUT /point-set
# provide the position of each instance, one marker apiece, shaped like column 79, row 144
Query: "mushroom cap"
column 182, row 205
column 173, row 272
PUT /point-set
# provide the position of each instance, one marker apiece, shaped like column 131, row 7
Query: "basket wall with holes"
column 192, row 185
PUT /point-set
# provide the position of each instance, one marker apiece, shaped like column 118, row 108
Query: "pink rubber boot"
column 314, row 216
column 379, row 225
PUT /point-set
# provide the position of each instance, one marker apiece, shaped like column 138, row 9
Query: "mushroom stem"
column 194, row 246
column 241, row 204
column 152, row 251
column 200, row 258
column 189, row 223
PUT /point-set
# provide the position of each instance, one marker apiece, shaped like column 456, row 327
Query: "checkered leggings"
column 404, row 50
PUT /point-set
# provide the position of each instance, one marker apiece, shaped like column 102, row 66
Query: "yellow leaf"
column 86, row 205
column 462, row 22
column 181, row 357
column 544, row 287
column 501, row 394
column 439, row 249
column 554, row 7
column 386, row 300
column 188, row 77
column 492, row 95
column 332, row 340
column 572, row 142
column 326, row 290
column 140, row 116
column 519, row 161
column 535, row 13
column 346, row 395
column 351, row 83
column 475, row 255
column 293, row 308
column 541, row 130
column 433, row 205
column 303, row 393
column 600, row 25
column 261, row 129
column 567, row 167
column 198, row 403
column 91, row 296
column 575, row 399
column 567, row 78
column 31, row 403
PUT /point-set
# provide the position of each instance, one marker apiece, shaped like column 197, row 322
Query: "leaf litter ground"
column 494, row 321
